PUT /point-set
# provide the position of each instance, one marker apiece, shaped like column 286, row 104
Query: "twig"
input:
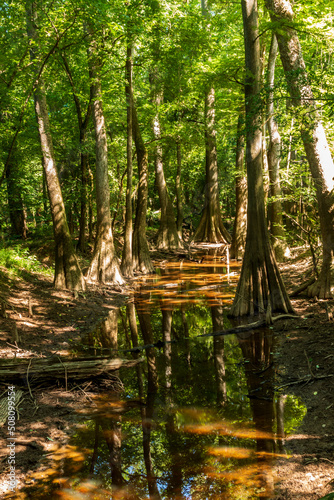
column 309, row 365
column 65, row 373
column 305, row 379
column 28, row 379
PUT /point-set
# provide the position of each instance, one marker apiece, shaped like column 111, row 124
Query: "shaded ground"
column 59, row 322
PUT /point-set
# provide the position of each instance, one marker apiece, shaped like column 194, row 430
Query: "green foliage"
column 294, row 413
column 19, row 261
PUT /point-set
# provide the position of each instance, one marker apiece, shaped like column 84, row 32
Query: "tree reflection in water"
column 196, row 419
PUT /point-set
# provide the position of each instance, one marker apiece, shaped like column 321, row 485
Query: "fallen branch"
column 76, row 368
column 302, row 287
column 250, row 326
column 309, row 378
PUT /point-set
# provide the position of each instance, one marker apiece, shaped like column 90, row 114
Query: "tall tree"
column 83, row 121
column 211, row 227
column 104, row 265
column 260, row 285
column 141, row 255
column 273, row 154
column 67, row 269
column 126, row 265
column 240, row 220
column 312, row 133
column 178, row 190
column 168, row 236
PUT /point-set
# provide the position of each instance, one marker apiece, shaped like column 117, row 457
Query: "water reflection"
column 200, row 419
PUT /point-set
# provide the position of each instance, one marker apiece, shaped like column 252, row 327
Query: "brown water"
column 199, row 418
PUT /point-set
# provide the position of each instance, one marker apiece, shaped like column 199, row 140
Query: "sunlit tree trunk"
column 260, row 285
column 126, row 265
column 211, row 227
column 167, row 238
column 104, row 266
column 141, row 256
column 83, row 125
column 67, row 269
column 240, row 221
column 277, row 230
column 312, row 133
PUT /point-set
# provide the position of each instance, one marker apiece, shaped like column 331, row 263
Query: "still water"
column 199, row 418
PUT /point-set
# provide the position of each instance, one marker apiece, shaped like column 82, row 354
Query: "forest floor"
column 60, row 321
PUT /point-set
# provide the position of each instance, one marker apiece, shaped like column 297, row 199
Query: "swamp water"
column 199, row 418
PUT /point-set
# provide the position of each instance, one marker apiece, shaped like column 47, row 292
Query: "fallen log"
column 302, row 287
column 57, row 367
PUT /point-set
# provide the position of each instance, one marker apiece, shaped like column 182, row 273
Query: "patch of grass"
column 19, row 261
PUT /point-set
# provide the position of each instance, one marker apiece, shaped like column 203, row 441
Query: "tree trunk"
column 83, row 125
column 240, row 221
column 17, row 213
column 273, row 154
column 260, row 286
column 83, row 201
column 104, row 265
column 211, row 227
column 167, row 238
column 126, row 265
column 67, row 270
column 178, row 189
column 312, row 133
column 141, row 256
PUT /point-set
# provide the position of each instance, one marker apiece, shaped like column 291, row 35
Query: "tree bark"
column 178, row 189
column 312, row 134
column 126, row 265
column 240, row 221
column 141, row 256
column 83, row 125
column 104, row 265
column 67, row 269
column 260, row 286
column 277, row 230
column 211, row 228
column 167, row 237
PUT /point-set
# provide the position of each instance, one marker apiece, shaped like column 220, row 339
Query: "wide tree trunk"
column 312, row 133
column 104, row 266
column 211, row 228
column 260, row 286
column 67, row 269
column 277, row 230
column 240, row 221
column 126, row 265
column 167, row 237
column 140, row 251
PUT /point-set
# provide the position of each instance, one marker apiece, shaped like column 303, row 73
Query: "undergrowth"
column 18, row 261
